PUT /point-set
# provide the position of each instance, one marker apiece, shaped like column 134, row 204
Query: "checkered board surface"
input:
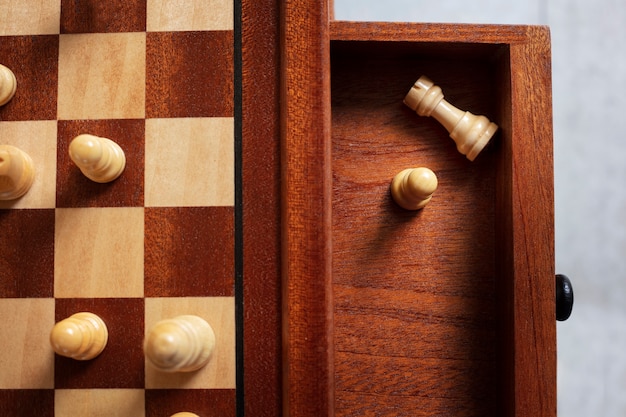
column 156, row 76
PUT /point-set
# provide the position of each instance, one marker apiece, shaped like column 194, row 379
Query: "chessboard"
column 157, row 77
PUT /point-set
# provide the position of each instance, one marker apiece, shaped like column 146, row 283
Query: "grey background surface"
column 589, row 102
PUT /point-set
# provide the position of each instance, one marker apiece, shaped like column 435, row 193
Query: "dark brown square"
column 189, row 74
column 27, row 402
column 97, row 16
column 121, row 363
column 75, row 190
column 27, row 253
column 210, row 402
column 34, row 61
column 189, row 251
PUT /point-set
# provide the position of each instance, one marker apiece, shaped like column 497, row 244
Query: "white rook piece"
column 100, row 159
column 413, row 188
column 81, row 336
column 16, row 172
column 470, row 132
column 180, row 344
column 8, row 85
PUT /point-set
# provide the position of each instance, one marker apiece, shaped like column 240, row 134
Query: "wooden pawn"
column 99, row 159
column 16, row 172
column 8, row 85
column 81, row 336
column 181, row 344
column 413, row 188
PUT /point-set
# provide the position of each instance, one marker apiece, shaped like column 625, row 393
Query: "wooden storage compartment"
column 423, row 301
column 447, row 311
column 416, row 298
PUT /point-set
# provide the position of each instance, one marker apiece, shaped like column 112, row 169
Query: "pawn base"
column 413, row 188
column 99, row 159
column 8, row 85
column 181, row 344
column 16, row 172
column 82, row 336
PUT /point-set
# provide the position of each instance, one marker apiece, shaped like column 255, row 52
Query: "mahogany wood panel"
column 530, row 330
column 447, row 36
column 306, row 210
column 259, row 70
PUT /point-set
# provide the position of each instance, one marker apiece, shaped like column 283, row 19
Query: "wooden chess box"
column 339, row 302
column 447, row 311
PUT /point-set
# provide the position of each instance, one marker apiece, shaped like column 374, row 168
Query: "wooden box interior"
column 416, row 292
column 428, row 315
column 446, row 311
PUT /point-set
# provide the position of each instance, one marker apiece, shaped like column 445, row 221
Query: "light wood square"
column 102, row 76
column 39, row 140
column 219, row 312
column 189, row 15
column 99, row 252
column 29, row 17
column 99, row 403
column 27, row 360
column 189, row 162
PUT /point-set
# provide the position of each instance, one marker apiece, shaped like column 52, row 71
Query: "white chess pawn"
column 81, row 336
column 471, row 133
column 16, row 172
column 180, row 344
column 413, row 188
column 8, row 85
column 100, row 159
column 185, row 414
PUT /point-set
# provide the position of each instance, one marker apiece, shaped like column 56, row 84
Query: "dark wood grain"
column 27, row 234
column 210, row 402
column 306, row 210
column 194, row 243
column 18, row 402
column 176, row 86
column 35, row 62
column 93, row 16
column 260, row 199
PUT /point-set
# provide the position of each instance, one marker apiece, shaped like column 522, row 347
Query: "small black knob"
column 564, row 297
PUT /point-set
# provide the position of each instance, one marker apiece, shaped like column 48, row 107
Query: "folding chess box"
column 447, row 311
column 261, row 138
